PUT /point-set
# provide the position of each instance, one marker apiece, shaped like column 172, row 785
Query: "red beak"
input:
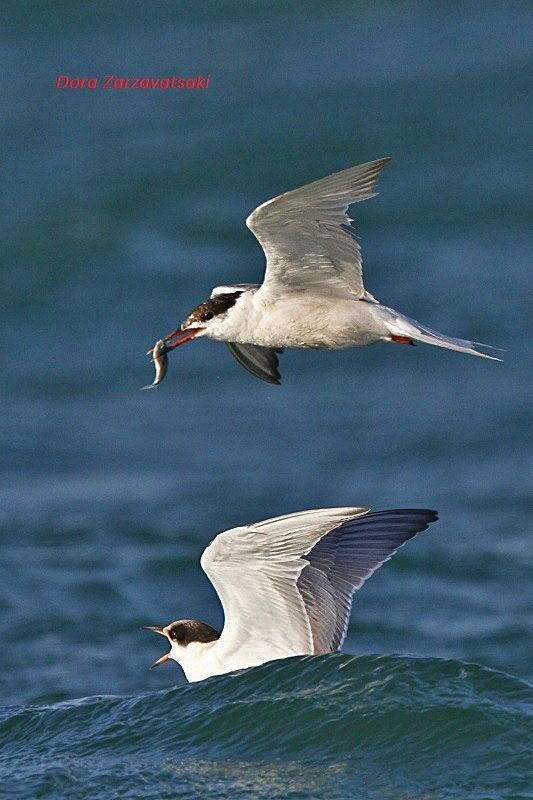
column 160, row 660
column 181, row 337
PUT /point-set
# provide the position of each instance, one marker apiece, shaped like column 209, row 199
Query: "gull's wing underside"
column 286, row 584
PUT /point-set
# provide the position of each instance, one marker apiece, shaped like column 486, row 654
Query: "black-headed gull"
column 286, row 586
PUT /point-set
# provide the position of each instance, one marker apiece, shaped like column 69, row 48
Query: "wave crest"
column 381, row 721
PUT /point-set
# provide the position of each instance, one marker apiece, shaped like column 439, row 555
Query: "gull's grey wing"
column 260, row 361
column 307, row 238
column 254, row 570
column 342, row 560
column 286, row 584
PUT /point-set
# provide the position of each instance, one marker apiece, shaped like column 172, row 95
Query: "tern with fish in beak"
column 312, row 295
column 286, row 586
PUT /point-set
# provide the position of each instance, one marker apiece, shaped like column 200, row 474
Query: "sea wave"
column 337, row 725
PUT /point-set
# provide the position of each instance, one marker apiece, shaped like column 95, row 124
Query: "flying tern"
column 286, row 586
column 312, row 295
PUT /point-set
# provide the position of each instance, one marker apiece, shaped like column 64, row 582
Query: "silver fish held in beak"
column 164, row 346
column 160, row 359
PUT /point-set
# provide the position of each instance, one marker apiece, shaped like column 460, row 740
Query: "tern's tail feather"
column 400, row 325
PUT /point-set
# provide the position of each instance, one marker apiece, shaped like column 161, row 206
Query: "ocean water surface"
column 331, row 726
column 120, row 212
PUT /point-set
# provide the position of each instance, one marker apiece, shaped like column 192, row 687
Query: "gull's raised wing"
column 342, row 560
column 286, row 584
column 306, row 234
column 255, row 570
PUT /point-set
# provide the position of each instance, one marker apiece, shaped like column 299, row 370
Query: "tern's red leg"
column 402, row 340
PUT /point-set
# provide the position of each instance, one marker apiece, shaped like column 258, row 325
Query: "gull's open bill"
column 164, row 657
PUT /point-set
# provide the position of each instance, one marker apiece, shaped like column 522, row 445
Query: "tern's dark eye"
column 207, row 315
column 173, row 634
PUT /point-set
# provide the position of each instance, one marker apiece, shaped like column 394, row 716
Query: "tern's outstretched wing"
column 286, row 584
column 260, row 361
column 306, row 234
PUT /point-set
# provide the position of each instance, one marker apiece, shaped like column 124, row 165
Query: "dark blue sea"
column 120, row 210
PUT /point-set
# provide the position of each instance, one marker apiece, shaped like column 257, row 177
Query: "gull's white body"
column 286, row 584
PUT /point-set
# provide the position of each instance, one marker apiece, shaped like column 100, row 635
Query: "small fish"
column 160, row 359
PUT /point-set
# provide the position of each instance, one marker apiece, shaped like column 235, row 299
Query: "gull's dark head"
column 181, row 634
column 211, row 311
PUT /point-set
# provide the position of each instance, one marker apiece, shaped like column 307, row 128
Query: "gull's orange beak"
column 160, row 660
column 181, row 337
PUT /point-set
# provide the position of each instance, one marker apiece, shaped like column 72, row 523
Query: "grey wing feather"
column 254, row 570
column 343, row 559
column 306, row 233
column 260, row 361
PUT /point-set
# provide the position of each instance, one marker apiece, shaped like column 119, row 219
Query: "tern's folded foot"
column 402, row 340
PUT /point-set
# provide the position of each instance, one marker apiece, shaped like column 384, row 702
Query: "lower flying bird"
column 286, row 586
column 312, row 294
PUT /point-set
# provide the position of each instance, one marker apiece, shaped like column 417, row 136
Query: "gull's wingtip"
column 491, row 347
column 475, row 352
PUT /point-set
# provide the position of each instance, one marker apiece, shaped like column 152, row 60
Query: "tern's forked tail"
column 402, row 326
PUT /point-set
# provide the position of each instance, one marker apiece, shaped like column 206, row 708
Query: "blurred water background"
column 120, row 211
